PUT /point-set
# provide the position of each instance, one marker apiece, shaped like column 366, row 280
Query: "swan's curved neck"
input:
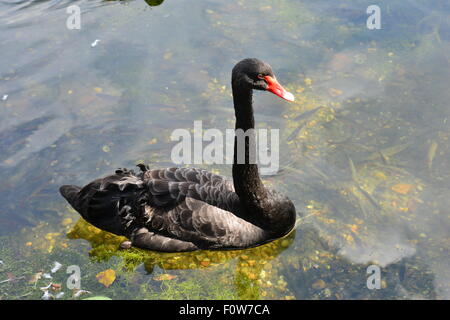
column 247, row 183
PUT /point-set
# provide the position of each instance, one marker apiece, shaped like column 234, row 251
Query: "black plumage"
column 185, row 209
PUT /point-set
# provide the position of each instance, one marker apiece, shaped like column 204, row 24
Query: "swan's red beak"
column 276, row 88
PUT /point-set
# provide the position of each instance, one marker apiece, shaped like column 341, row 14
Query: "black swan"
column 186, row 209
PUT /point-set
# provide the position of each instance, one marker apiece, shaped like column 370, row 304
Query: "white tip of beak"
column 288, row 96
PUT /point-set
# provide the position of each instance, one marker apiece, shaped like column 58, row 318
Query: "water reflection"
column 249, row 263
column 154, row 3
column 151, row 3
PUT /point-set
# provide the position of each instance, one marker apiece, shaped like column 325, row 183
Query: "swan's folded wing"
column 193, row 175
column 204, row 225
column 145, row 239
column 169, row 187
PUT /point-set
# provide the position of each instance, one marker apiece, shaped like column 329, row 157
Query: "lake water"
column 364, row 149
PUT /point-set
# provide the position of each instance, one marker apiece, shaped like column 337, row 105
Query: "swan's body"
column 185, row 209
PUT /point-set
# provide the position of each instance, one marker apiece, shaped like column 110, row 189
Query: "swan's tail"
column 110, row 203
column 71, row 194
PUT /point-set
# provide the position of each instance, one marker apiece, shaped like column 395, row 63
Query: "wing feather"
column 168, row 187
column 206, row 226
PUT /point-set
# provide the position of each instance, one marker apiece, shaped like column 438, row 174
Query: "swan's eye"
column 260, row 76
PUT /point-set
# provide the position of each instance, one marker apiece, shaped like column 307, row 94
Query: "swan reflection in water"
column 249, row 262
column 154, row 3
column 151, row 3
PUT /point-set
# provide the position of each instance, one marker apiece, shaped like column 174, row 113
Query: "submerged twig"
column 12, row 279
column 369, row 197
column 431, row 154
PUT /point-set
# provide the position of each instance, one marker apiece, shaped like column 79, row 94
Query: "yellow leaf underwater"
column 164, row 276
column 402, row 188
column 353, row 228
column 334, row 92
column 106, row 277
column 319, row 284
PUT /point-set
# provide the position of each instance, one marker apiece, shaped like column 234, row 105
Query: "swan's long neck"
column 247, row 183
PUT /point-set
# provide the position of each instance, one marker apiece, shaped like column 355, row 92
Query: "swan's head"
column 255, row 74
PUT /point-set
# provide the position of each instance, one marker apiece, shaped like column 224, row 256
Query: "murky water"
column 364, row 152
